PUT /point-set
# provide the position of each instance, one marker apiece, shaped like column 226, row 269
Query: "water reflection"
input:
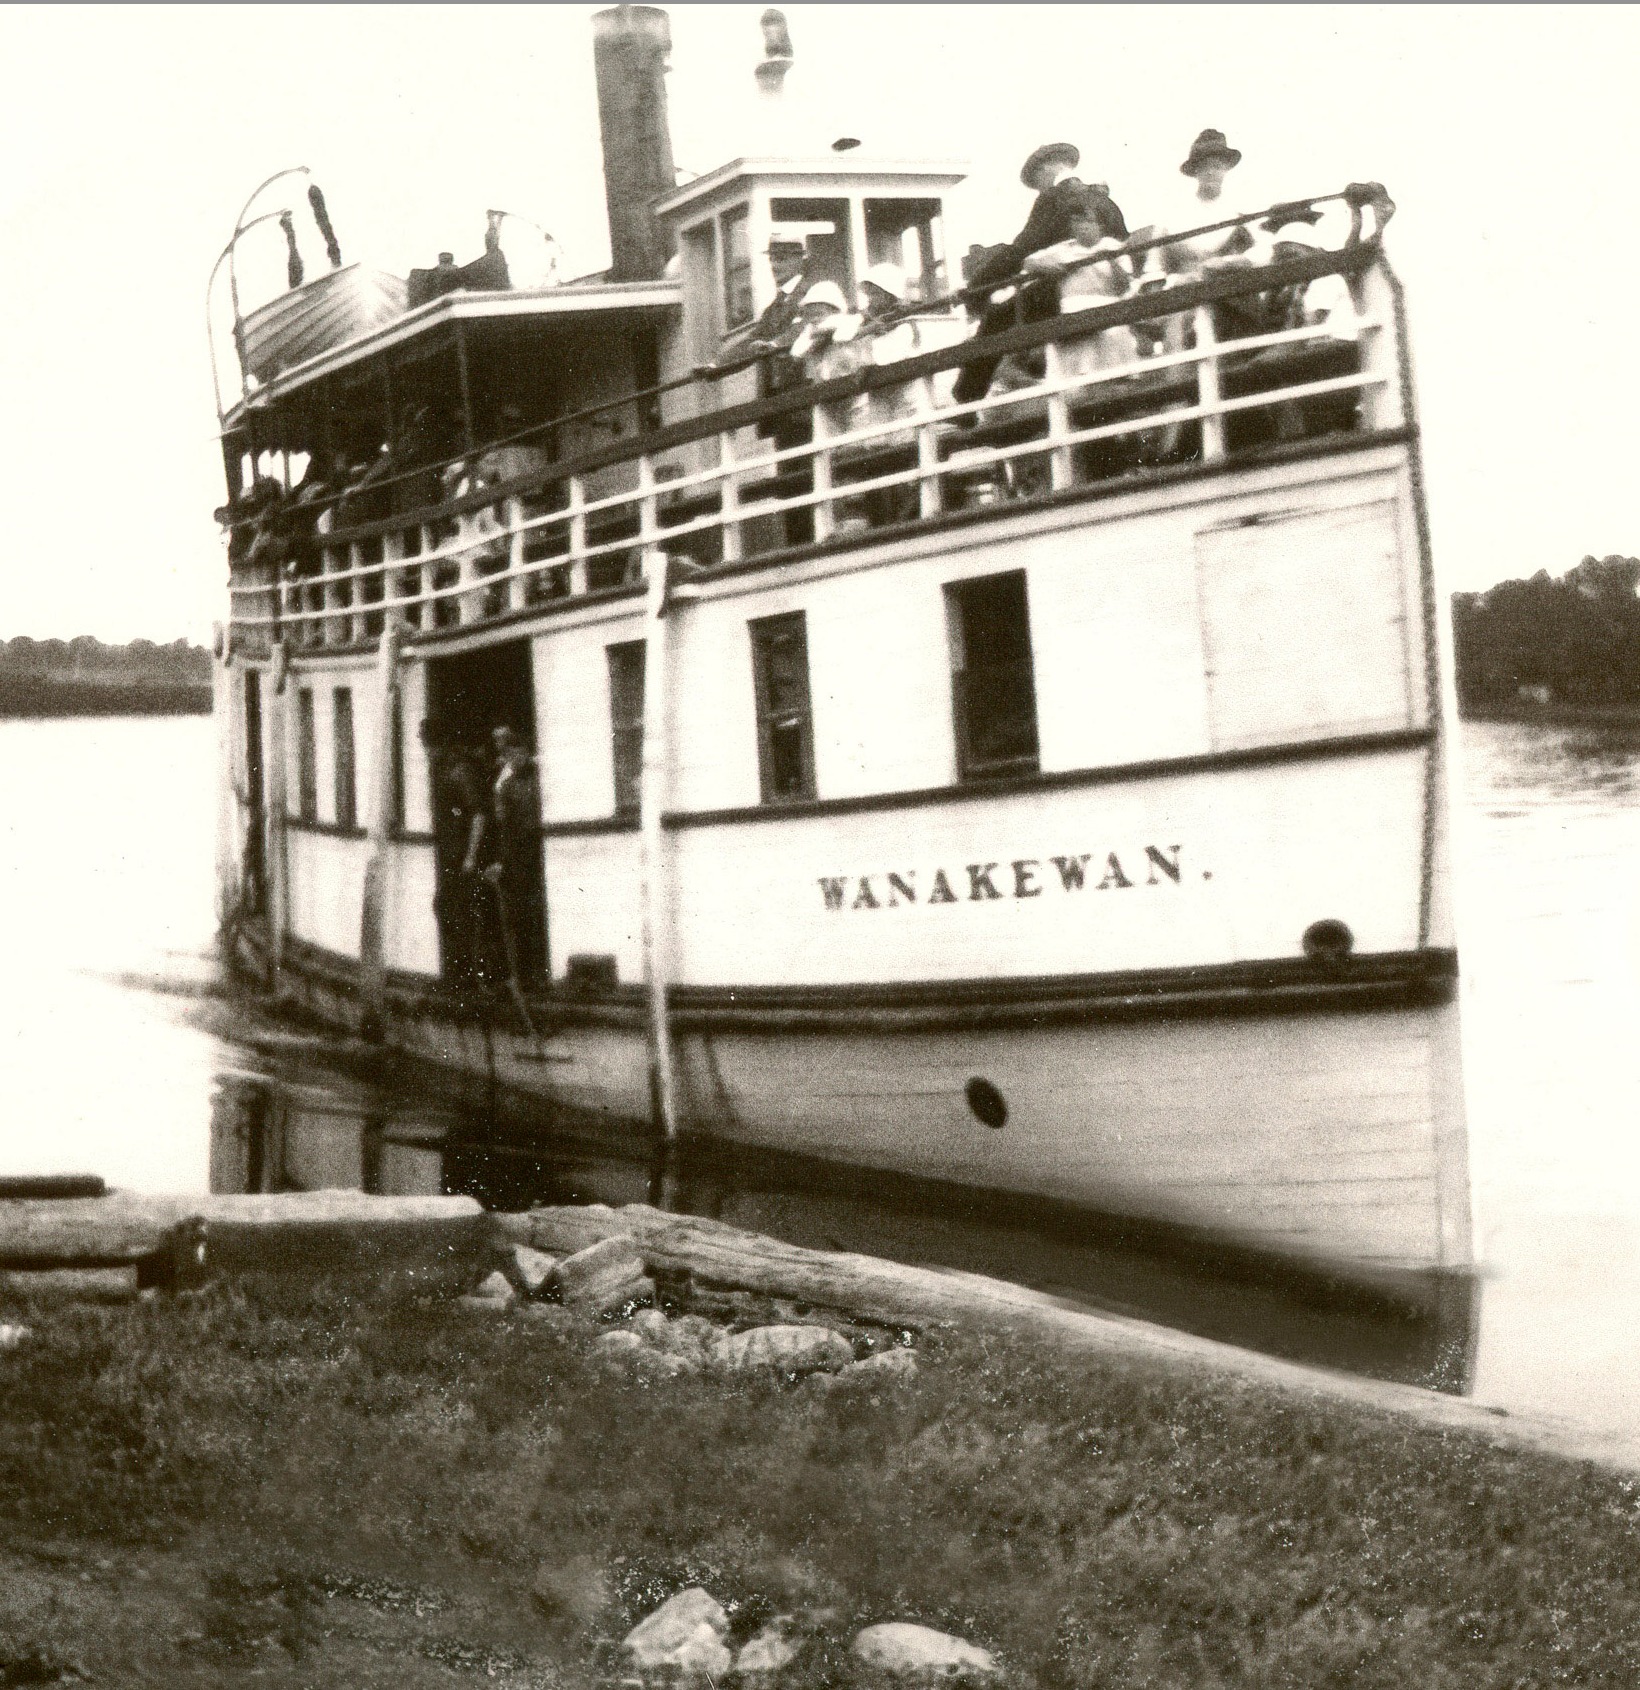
column 305, row 1124
column 174, row 1089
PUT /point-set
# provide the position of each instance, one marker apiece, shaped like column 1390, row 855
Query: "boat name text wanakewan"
column 1020, row 877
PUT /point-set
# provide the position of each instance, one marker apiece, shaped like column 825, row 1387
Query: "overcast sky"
column 1507, row 136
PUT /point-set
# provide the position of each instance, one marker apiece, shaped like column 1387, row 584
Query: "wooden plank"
column 124, row 1227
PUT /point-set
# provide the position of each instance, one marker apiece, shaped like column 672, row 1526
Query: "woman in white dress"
column 1085, row 281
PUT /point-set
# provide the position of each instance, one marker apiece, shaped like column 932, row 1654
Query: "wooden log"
column 124, row 1227
column 36, row 1186
column 98, row 1284
column 919, row 1298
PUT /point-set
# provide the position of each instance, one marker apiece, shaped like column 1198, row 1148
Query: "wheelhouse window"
column 626, row 723
column 737, row 267
column 825, row 227
column 347, row 788
column 785, row 734
column 908, row 234
column 307, row 767
column 993, row 683
column 702, row 308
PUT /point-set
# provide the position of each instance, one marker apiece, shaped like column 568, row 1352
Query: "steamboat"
column 1038, row 799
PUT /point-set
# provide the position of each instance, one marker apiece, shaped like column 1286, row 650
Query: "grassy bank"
column 373, row 1486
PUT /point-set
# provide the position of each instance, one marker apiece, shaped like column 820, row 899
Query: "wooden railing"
column 884, row 448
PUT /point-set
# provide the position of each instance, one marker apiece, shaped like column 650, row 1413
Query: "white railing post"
column 470, row 600
column 929, row 499
column 729, row 508
column 648, row 526
column 1207, row 386
column 516, row 581
column 820, row 463
column 1059, row 420
column 577, row 535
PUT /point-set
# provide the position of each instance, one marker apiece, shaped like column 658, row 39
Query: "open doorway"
column 486, row 805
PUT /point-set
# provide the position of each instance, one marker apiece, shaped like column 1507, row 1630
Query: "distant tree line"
column 1568, row 640
column 84, row 677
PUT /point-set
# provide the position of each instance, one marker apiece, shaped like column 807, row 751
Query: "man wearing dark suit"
column 778, row 372
column 774, row 332
column 1059, row 195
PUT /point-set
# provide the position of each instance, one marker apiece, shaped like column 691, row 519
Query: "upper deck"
column 575, row 509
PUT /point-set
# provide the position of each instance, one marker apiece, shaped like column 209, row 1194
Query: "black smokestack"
column 630, row 45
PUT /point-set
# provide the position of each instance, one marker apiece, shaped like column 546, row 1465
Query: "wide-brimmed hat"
column 1055, row 152
column 824, row 293
column 786, row 240
column 1209, row 144
column 889, row 277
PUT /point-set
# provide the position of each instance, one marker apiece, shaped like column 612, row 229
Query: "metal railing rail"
column 488, row 553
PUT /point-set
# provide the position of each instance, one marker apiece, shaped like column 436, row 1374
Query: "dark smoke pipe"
column 322, row 217
column 630, row 45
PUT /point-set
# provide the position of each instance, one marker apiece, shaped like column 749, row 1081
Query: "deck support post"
column 657, row 735
column 278, row 765
column 379, row 824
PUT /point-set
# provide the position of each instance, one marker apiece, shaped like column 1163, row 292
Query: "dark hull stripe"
column 1280, row 987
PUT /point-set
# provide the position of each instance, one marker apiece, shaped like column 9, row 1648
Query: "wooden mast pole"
column 657, row 734
column 278, row 862
column 379, row 826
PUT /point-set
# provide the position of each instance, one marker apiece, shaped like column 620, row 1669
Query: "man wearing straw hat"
column 1060, row 197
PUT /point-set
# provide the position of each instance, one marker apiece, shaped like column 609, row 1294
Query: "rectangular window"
column 347, row 788
column 396, row 819
column 785, row 735
column 737, row 268
column 993, row 684
column 826, row 234
column 307, row 768
column 626, row 723
column 702, row 294
column 908, row 234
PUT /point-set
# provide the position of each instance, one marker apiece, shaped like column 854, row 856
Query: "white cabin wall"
column 594, row 900
column 410, row 926
column 418, row 786
column 572, row 717
column 326, row 889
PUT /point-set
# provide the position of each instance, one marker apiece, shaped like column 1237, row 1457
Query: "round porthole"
column 990, row 1107
column 1328, row 941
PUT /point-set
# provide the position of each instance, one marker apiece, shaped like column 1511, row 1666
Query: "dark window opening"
column 626, row 723
column 992, row 681
column 307, row 768
column 347, row 788
column 909, row 235
column 737, row 268
column 785, row 734
column 825, row 228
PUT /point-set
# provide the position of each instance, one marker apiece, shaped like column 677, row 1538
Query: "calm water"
column 106, row 880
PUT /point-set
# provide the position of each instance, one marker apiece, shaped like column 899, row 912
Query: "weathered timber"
column 91, row 1285
column 919, row 1298
column 18, row 1186
column 123, row 1227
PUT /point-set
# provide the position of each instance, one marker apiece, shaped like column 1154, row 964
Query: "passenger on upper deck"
column 1059, row 195
column 782, row 319
column 1211, row 159
column 829, row 345
column 1292, row 232
column 1085, row 282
